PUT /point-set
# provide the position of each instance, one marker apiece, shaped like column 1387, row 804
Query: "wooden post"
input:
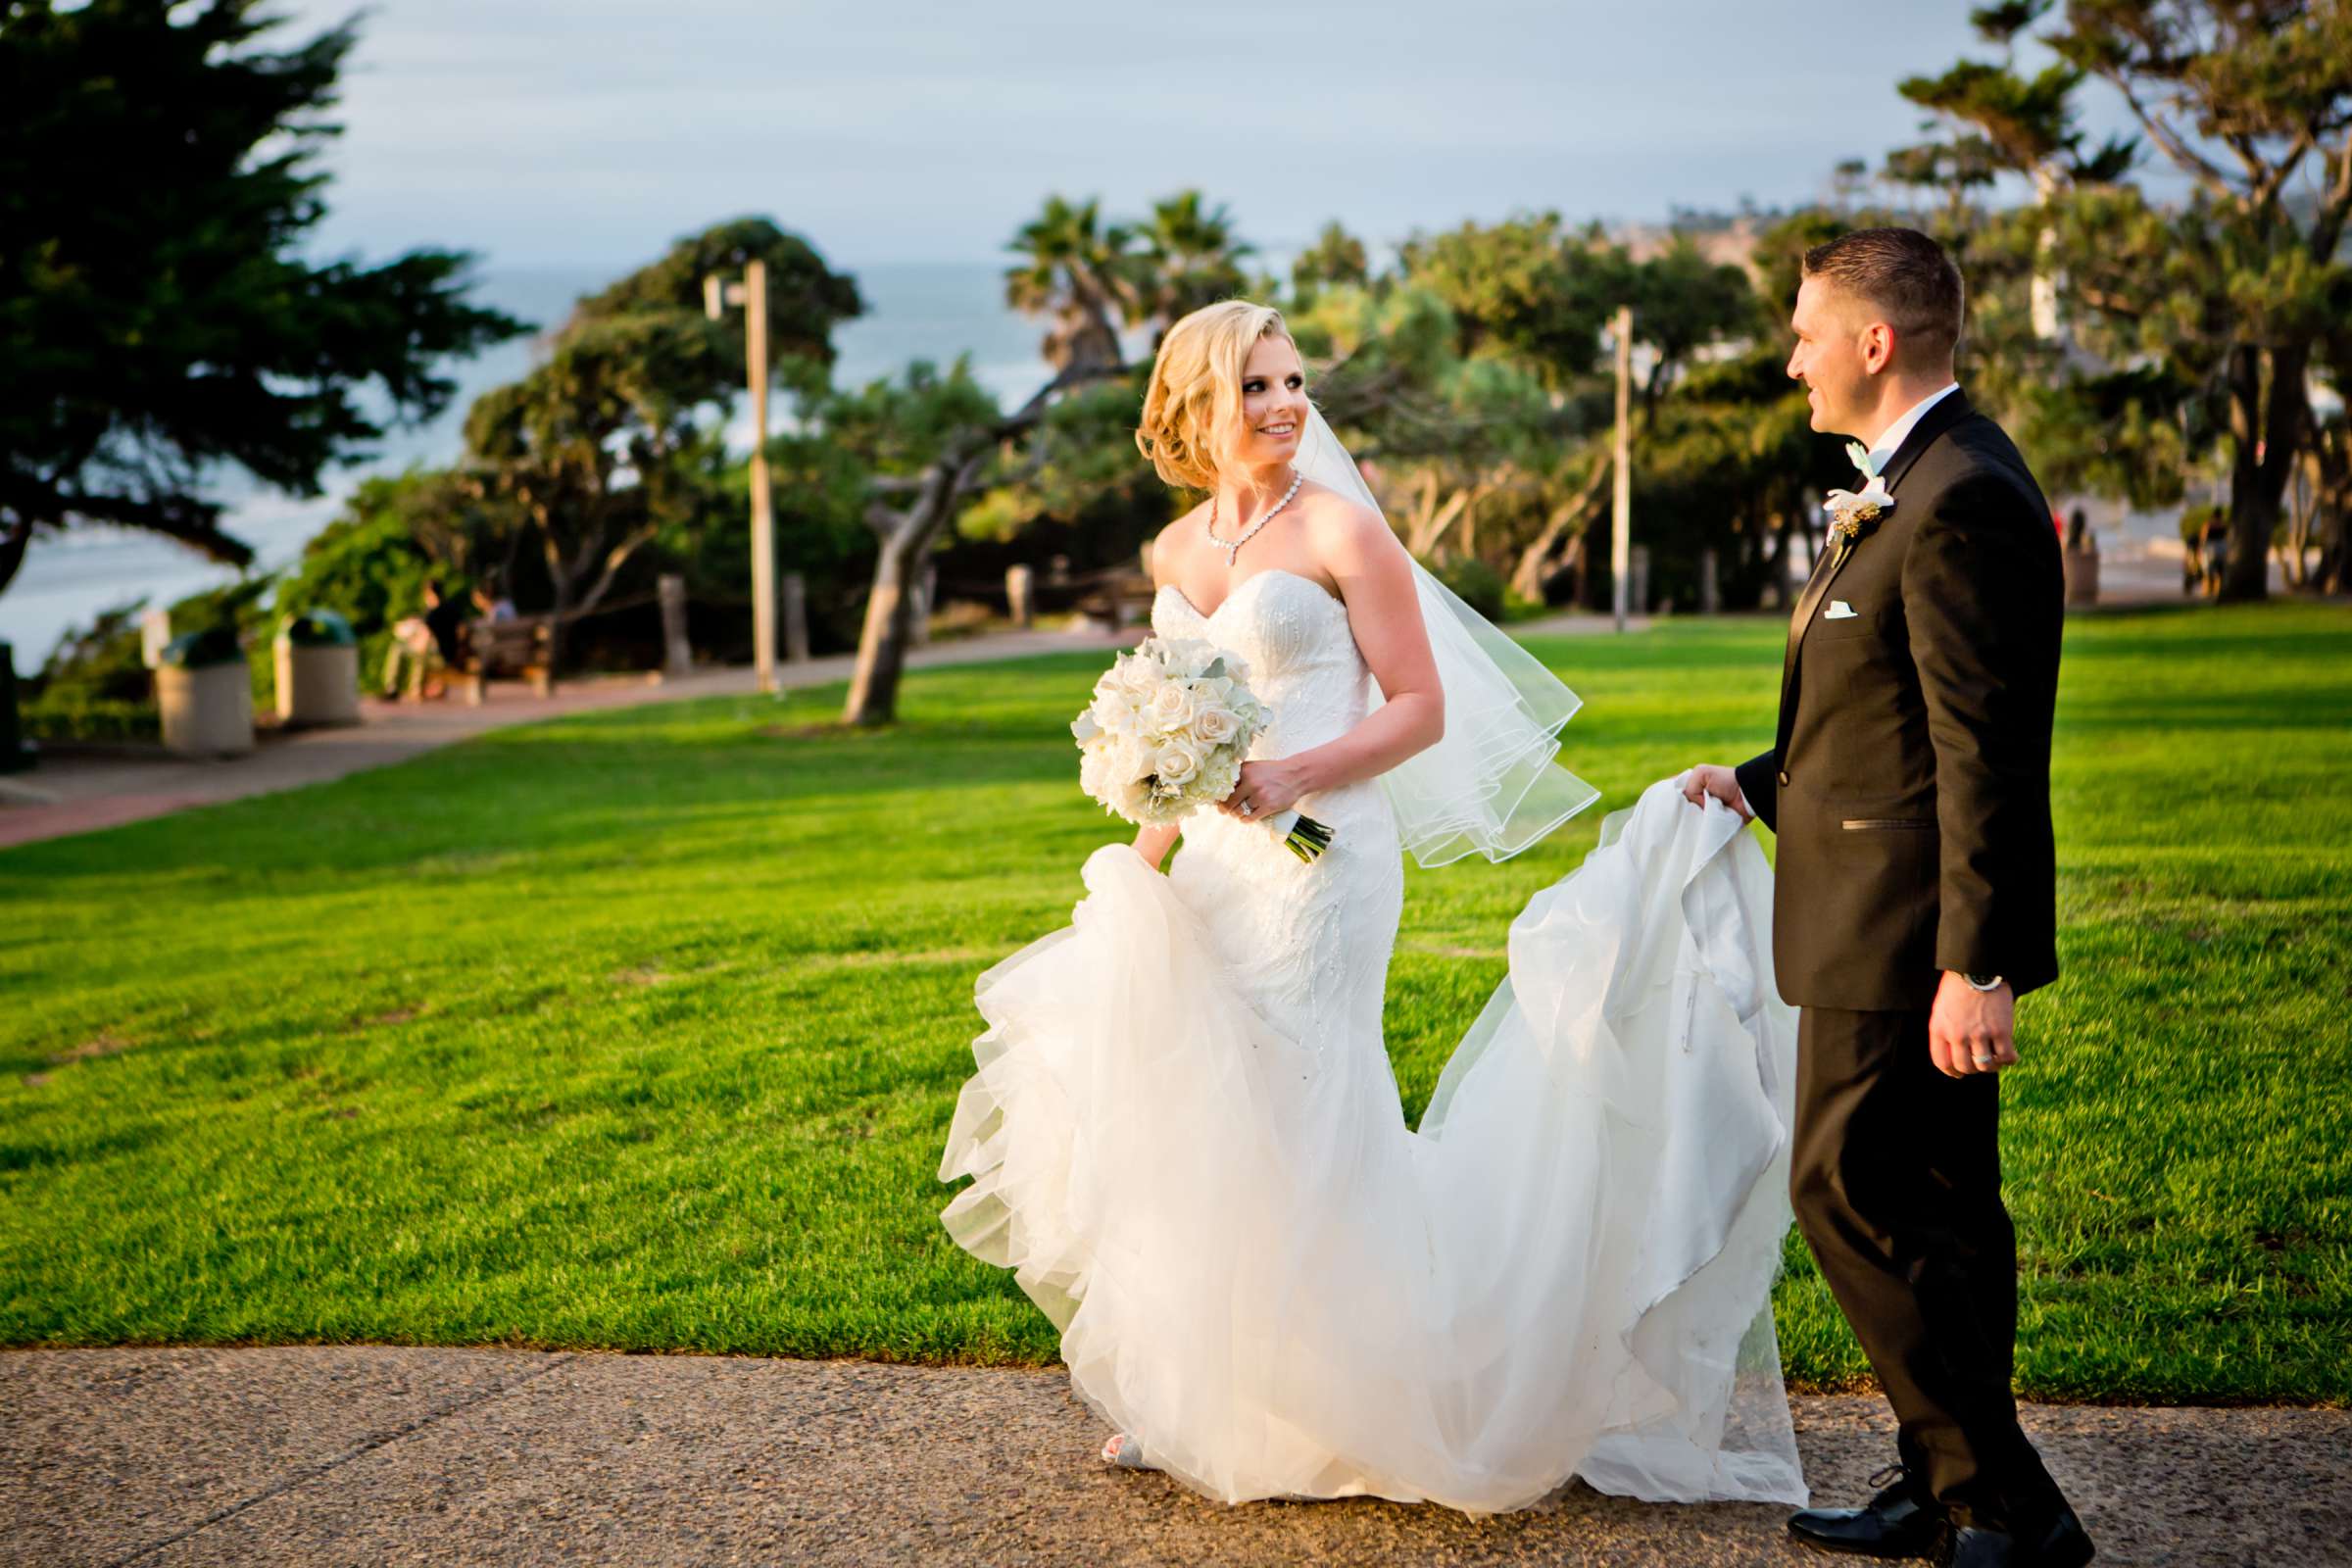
column 764, row 520
column 1710, row 590
column 677, row 656
column 1021, row 601
column 1621, row 504
column 155, row 630
column 796, row 618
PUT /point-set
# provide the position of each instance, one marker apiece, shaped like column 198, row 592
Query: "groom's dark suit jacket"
column 1909, row 786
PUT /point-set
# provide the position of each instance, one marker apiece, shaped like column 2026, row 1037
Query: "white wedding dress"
column 1185, row 1139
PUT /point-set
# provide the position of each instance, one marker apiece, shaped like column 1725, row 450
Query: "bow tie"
column 1863, row 459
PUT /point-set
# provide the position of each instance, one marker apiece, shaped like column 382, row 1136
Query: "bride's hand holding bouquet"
column 1166, row 732
column 1268, row 787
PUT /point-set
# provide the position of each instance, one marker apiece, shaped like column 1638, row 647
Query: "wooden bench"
column 522, row 646
column 1113, row 594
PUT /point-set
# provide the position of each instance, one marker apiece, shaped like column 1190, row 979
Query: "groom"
column 1914, row 897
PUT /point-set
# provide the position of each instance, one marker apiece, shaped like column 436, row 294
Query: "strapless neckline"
column 1239, row 588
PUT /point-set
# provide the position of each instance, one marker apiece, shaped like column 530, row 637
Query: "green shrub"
column 1479, row 585
column 72, row 714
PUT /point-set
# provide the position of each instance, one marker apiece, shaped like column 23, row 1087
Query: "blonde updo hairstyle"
column 1191, row 425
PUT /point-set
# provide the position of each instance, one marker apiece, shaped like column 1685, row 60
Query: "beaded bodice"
column 1311, row 940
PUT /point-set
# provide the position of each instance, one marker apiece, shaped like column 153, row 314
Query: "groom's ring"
column 1986, row 1062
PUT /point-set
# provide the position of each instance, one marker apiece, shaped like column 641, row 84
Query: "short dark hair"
column 1904, row 274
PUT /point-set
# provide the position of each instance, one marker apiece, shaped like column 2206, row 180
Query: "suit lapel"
column 1805, row 603
column 1941, row 417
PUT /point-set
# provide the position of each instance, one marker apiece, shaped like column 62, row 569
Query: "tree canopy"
column 610, row 440
column 157, row 313
column 2187, row 324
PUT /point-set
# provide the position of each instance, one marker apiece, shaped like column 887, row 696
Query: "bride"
column 1184, row 1136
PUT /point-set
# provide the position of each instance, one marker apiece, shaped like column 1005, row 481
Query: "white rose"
column 1215, row 726
column 1177, row 761
column 1170, row 708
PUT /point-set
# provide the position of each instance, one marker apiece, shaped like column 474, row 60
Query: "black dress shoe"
column 1903, row 1521
column 2064, row 1545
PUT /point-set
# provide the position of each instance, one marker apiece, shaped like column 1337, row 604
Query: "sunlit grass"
column 641, row 1029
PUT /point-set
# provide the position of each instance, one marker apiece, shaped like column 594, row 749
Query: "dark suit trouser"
column 1896, row 1181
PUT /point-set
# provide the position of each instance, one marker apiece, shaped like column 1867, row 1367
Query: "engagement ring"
column 1246, row 808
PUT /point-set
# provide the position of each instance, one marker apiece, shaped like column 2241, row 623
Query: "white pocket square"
column 1839, row 610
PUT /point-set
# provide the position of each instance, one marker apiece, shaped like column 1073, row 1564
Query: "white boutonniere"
column 1854, row 514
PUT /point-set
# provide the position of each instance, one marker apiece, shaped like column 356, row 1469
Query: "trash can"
column 2081, row 572
column 205, row 692
column 317, row 658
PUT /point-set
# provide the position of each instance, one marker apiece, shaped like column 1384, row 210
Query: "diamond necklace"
column 1233, row 547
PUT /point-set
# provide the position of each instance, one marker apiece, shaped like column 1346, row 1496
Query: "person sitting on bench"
column 425, row 644
column 491, row 605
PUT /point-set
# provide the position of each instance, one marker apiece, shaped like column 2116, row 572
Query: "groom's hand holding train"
column 1970, row 1029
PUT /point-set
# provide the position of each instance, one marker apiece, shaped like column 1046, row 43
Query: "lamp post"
column 1621, row 506
column 752, row 295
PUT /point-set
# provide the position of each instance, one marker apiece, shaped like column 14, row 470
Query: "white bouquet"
column 1166, row 732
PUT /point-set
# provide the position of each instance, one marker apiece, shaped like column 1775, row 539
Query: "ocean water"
column 915, row 311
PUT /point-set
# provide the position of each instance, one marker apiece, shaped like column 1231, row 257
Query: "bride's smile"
column 1273, row 408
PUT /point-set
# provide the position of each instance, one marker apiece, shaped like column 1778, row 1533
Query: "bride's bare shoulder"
column 1321, row 505
column 1167, row 545
column 1342, row 528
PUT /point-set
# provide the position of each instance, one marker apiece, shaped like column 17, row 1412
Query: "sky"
column 594, row 131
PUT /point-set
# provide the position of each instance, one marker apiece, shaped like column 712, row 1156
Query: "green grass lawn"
column 641, row 1029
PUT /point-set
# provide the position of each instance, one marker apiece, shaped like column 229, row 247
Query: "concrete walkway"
column 369, row 1454
column 81, row 789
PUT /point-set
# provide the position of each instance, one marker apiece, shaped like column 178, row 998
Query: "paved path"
column 85, row 789
column 82, row 790
column 369, row 1454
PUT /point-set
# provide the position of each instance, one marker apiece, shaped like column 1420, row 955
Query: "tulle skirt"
column 1263, row 1276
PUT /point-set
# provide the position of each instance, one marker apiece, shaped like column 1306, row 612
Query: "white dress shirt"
column 1892, row 436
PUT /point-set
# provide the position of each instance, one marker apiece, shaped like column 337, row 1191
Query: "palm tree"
column 1189, row 257
column 1077, row 271
column 1337, row 259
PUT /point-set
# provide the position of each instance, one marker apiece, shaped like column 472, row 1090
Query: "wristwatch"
column 1983, row 982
